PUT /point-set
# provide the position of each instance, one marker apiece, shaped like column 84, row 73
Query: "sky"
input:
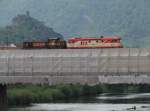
column 71, row 17
column 40, row 9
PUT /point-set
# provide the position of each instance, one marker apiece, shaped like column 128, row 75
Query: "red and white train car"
column 102, row 42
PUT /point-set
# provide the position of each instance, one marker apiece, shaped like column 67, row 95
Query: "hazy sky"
column 44, row 9
column 66, row 16
column 10, row 8
column 41, row 9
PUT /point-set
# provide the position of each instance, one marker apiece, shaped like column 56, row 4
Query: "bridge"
column 91, row 66
column 84, row 66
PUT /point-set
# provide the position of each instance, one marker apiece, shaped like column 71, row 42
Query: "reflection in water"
column 124, row 96
column 105, row 102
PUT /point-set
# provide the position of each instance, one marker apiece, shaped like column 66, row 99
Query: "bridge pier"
column 3, row 97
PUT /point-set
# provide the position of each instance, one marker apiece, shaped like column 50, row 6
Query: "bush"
column 57, row 94
column 66, row 90
column 20, row 97
column 26, row 94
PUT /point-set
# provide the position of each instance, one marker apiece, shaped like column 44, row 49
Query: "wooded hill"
column 26, row 28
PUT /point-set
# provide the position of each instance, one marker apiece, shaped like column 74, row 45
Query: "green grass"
column 27, row 94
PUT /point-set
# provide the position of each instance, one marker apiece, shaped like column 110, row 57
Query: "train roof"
column 35, row 41
column 94, row 38
column 57, row 38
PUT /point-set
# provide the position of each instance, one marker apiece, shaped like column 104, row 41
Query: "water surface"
column 104, row 102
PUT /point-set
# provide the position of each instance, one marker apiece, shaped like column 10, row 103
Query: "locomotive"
column 52, row 43
column 75, row 43
column 102, row 42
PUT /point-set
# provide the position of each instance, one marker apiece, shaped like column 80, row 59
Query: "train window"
column 89, row 41
column 97, row 41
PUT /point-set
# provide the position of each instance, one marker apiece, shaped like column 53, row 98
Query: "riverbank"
column 27, row 94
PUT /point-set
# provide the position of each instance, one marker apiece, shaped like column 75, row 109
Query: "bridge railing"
column 90, row 61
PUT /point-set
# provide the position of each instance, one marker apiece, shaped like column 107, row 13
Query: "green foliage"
column 144, row 88
column 26, row 94
column 67, row 90
column 121, row 88
column 57, row 94
column 20, row 97
column 77, row 90
column 88, row 90
column 132, row 89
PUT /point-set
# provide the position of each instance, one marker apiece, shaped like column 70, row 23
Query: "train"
column 52, row 43
column 75, row 43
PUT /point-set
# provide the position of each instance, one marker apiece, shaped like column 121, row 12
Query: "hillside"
column 24, row 28
column 127, row 18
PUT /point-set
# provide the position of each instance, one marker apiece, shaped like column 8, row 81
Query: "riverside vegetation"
column 27, row 94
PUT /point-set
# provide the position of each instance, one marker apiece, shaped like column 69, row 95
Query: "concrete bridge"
column 91, row 66
column 84, row 66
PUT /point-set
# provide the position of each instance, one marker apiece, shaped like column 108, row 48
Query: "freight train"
column 75, row 43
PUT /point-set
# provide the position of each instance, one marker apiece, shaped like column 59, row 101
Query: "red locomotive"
column 102, row 42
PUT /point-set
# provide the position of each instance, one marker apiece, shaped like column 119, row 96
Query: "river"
column 103, row 102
